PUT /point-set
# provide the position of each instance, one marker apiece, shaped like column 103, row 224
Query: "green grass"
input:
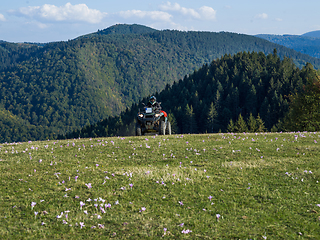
column 263, row 186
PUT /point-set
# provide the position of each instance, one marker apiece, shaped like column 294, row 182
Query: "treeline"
column 63, row 86
column 304, row 44
column 251, row 86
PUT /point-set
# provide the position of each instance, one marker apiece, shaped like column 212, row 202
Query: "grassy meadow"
column 212, row 186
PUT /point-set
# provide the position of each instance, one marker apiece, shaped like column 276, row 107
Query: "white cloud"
column 208, row 13
column 204, row 12
column 279, row 19
column 68, row 12
column 2, row 18
column 154, row 15
column 262, row 16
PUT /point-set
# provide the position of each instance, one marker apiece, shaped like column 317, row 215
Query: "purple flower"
column 142, row 209
column 33, row 204
column 82, row 225
column 181, row 203
column 82, row 204
column 102, row 210
column 210, row 197
column 218, row 216
column 186, row 231
column 88, row 185
column 100, row 225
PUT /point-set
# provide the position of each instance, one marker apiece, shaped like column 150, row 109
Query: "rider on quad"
column 153, row 103
column 152, row 119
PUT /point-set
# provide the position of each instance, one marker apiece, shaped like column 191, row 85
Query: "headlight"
column 157, row 115
column 140, row 115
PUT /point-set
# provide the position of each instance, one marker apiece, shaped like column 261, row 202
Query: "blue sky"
column 58, row 20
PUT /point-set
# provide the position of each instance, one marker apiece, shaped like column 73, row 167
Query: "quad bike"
column 152, row 120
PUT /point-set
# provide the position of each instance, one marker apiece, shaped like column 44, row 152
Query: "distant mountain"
column 62, row 86
column 307, row 43
column 314, row 34
column 123, row 29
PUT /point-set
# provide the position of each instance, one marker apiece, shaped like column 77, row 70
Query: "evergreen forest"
column 245, row 92
column 55, row 89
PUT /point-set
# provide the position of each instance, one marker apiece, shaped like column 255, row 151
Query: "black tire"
column 168, row 128
column 162, row 128
column 138, row 130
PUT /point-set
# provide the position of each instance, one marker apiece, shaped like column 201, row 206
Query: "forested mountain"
column 63, row 86
column 306, row 43
column 314, row 34
column 245, row 84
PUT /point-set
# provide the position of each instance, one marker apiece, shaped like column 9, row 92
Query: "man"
column 153, row 103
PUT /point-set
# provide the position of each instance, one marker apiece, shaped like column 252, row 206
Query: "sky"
column 44, row 21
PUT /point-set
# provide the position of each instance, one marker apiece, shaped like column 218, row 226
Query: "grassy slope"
column 261, row 185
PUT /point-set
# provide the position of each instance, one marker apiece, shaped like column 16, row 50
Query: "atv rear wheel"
column 168, row 128
column 162, row 128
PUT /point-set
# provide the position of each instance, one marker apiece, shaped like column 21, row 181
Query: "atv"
column 152, row 120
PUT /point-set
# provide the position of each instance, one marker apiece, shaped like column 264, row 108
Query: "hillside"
column 207, row 100
column 314, row 34
column 193, row 186
column 63, row 86
column 307, row 43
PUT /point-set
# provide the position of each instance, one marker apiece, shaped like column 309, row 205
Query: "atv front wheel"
column 162, row 128
column 138, row 130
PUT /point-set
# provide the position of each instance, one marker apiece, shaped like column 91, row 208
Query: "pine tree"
column 260, row 124
column 252, row 124
column 212, row 118
column 240, row 125
column 189, row 125
column 230, row 127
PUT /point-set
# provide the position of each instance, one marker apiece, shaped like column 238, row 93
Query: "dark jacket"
column 156, row 105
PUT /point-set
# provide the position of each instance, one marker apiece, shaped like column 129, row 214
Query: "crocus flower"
column 82, row 225
column 82, row 204
column 107, row 205
column 102, row 210
column 142, row 209
column 33, row 204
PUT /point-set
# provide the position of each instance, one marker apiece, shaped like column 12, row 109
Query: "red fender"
column 164, row 113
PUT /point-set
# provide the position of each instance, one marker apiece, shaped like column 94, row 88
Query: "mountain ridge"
column 63, row 86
